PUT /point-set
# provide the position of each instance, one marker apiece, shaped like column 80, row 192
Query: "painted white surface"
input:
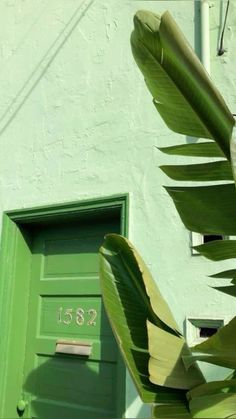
column 77, row 122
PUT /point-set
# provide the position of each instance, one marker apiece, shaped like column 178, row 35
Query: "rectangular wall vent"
column 199, row 329
column 197, row 239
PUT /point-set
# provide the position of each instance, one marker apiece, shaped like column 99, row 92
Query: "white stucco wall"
column 77, row 122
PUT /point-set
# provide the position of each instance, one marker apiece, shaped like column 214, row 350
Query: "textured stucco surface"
column 76, row 122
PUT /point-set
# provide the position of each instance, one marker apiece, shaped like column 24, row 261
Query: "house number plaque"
column 79, row 316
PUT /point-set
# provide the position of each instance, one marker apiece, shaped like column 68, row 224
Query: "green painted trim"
column 14, row 241
column 72, row 208
column 8, row 251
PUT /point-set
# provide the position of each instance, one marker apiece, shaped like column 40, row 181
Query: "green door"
column 66, row 311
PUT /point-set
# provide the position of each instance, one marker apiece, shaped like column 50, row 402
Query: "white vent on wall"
column 197, row 239
column 199, row 329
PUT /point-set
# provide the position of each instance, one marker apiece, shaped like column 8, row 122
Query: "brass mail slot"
column 73, row 347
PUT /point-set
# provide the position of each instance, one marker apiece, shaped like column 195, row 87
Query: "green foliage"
column 182, row 91
column 131, row 300
column 206, row 149
column 201, row 208
column 153, row 348
column 218, row 170
column 213, row 400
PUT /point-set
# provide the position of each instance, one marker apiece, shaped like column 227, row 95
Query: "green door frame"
column 15, row 279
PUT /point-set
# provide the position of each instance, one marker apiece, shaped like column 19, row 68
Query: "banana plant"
column 161, row 363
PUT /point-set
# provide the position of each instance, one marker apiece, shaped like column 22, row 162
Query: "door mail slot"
column 73, row 347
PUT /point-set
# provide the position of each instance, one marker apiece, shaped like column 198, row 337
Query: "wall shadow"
column 41, row 68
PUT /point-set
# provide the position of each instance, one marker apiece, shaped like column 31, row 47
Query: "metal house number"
column 79, row 315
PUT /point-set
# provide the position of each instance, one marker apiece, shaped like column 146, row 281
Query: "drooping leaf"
column 131, row 297
column 213, row 171
column 183, row 93
column 206, row 149
column 216, row 399
column 219, row 349
column 166, row 366
column 218, row 249
column 206, row 209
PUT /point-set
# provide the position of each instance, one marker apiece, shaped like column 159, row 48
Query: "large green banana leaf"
column 182, row 91
column 132, row 300
column 189, row 103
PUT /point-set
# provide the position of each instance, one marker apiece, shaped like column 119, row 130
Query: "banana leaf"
column 175, row 411
column 216, row 406
column 131, row 298
column 213, row 171
column 203, row 149
column 216, row 399
column 206, row 209
column 166, row 366
column 182, row 90
column 217, row 249
column 189, row 103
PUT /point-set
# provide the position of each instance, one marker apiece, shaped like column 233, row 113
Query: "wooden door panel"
column 71, row 258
